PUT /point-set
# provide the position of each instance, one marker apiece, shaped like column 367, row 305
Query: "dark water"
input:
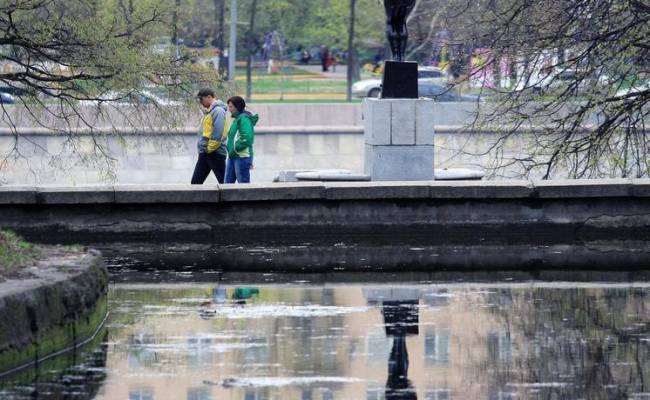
column 493, row 341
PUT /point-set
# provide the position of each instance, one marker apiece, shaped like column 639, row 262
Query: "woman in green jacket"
column 240, row 142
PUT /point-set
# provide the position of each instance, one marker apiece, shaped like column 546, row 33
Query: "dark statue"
column 396, row 13
column 400, row 79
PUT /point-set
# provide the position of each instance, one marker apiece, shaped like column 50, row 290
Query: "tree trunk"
column 351, row 54
column 250, row 47
column 175, row 23
column 220, row 8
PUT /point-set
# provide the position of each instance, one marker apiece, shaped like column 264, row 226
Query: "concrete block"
column 577, row 188
column 276, row 191
column 399, row 163
column 456, row 113
column 511, row 189
column 17, row 195
column 402, row 122
column 425, row 122
column 75, row 195
column 377, row 121
column 641, row 187
column 142, row 194
column 376, row 190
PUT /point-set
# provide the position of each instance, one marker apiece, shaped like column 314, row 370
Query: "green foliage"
column 15, row 252
column 304, row 23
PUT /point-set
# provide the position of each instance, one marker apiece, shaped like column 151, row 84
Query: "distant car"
column 426, row 75
column 14, row 91
column 443, row 93
column 131, row 99
column 6, row 98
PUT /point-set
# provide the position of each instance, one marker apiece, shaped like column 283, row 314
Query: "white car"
column 372, row 87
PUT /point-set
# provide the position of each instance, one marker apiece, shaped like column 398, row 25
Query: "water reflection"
column 431, row 342
column 77, row 375
column 400, row 319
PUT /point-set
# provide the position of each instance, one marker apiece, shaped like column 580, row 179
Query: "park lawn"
column 15, row 253
column 320, row 86
column 261, row 72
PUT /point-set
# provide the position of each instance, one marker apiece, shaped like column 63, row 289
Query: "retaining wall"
column 507, row 224
column 55, row 305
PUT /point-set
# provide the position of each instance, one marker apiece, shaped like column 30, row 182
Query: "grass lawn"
column 320, row 86
column 294, row 84
column 15, row 253
column 261, row 71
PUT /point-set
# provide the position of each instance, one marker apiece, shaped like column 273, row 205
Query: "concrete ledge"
column 75, row 195
column 145, row 194
column 583, row 188
column 374, row 214
column 641, row 187
column 18, row 194
column 482, row 190
column 156, row 194
column 377, row 191
column 277, row 191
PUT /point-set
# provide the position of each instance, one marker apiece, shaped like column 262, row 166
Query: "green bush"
column 15, row 252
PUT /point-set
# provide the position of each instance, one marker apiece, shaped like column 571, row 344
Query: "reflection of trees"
column 78, row 374
column 589, row 339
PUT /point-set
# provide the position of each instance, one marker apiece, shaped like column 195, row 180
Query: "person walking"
column 240, row 141
column 212, row 139
column 324, row 57
column 332, row 61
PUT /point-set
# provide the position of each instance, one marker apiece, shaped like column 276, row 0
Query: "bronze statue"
column 396, row 13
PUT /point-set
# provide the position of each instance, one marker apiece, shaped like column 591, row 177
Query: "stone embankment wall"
column 50, row 307
column 398, row 225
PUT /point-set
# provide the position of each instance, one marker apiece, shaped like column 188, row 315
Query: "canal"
column 208, row 336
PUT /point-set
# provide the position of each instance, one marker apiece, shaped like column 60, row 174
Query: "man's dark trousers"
column 214, row 162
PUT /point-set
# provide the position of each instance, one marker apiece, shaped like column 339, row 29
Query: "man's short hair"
column 205, row 93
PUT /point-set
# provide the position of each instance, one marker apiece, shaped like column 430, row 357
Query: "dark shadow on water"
column 342, row 257
column 148, row 274
column 77, row 375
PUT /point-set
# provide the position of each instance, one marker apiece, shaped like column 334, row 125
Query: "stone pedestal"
column 398, row 136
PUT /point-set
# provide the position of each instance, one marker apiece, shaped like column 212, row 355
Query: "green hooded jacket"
column 242, row 135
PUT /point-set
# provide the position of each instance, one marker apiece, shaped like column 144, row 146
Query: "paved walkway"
column 341, row 71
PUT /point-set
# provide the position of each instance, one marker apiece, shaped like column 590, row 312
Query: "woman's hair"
column 238, row 102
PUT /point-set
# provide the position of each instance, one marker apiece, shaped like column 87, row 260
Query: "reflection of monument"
column 400, row 319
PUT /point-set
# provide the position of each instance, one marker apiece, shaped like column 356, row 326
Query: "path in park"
column 317, row 69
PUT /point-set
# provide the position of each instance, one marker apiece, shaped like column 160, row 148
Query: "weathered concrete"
column 394, row 163
column 463, row 215
column 169, row 158
column 58, row 303
column 398, row 135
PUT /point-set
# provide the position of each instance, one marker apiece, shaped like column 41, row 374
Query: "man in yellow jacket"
column 212, row 139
